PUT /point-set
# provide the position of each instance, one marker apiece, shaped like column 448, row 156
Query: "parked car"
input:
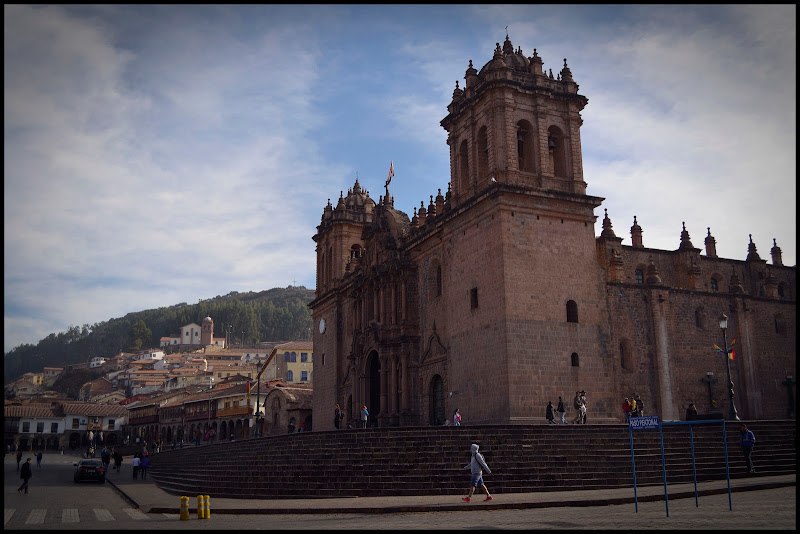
column 90, row 469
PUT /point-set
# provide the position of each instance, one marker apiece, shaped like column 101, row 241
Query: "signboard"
column 647, row 422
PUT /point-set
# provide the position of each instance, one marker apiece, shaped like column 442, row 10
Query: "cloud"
column 157, row 154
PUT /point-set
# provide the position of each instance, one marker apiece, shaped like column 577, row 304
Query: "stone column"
column 658, row 303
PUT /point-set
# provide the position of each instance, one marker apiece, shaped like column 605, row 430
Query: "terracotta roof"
column 38, row 411
column 295, row 345
column 90, row 408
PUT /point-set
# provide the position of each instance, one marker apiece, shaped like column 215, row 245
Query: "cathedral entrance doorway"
column 437, row 414
column 373, row 395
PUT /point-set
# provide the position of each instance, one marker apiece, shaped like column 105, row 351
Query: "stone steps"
column 429, row 460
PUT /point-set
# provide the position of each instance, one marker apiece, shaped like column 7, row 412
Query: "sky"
column 162, row 154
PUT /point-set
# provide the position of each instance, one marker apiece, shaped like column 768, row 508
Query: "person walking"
column 39, row 459
column 562, row 412
column 551, row 418
column 364, row 416
column 583, row 407
column 337, row 416
column 576, row 403
column 19, row 457
column 25, row 474
column 626, row 409
column 105, row 457
column 747, row 440
column 457, row 417
column 118, row 461
column 136, row 463
column 145, row 463
column 476, row 465
column 639, row 406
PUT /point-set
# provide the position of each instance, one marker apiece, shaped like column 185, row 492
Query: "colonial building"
column 291, row 362
column 498, row 296
column 194, row 335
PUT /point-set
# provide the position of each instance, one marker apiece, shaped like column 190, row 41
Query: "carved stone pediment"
column 434, row 349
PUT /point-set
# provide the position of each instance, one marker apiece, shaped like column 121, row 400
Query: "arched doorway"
column 373, row 388
column 437, row 414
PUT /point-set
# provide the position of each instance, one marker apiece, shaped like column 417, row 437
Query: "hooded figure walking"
column 476, row 465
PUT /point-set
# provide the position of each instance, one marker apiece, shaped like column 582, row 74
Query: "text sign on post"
column 647, row 422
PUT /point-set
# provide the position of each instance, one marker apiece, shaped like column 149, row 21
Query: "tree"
column 142, row 336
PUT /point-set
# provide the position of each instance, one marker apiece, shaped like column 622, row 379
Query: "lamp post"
column 723, row 324
column 210, row 387
column 258, row 406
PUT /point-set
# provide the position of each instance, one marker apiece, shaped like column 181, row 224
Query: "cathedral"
column 499, row 296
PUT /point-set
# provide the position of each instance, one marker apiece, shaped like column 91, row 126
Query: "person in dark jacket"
column 25, row 474
column 551, row 418
column 747, row 440
column 562, row 412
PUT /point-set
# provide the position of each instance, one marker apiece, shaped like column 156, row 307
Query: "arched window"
column 525, row 147
column 572, row 311
column 483, row 153
column 625, row 353
column 639, row 273
column 575, row 359
column 556, row 143
column 781, row 291
column 714, row 284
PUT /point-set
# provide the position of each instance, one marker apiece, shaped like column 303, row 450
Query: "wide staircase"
column 431, row 460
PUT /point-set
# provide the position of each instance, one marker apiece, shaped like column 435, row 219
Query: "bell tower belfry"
column 514, row 123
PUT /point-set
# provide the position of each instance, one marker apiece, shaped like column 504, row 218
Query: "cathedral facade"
column 499, row 297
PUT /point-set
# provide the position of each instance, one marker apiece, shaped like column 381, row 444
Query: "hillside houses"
column 163, row 395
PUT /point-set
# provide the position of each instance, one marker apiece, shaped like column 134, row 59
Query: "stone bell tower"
column 514, row 123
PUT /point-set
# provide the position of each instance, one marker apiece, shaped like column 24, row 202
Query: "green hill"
column 271, row 315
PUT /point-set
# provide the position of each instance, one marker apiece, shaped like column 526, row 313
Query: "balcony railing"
column 238, row 410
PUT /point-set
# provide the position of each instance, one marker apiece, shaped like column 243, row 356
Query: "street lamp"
column 723, row 324
column 210, row 386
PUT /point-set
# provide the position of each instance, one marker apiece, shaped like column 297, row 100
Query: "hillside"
column 274, row 314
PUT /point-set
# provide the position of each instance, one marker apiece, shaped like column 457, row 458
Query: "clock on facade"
column 322, row 326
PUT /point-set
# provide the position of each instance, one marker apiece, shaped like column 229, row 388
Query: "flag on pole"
column 391, row 173
column 730, row 351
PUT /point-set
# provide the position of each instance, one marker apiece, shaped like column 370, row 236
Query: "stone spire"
column 536, row 63
column 776, row 253
column 711, row 245
column 686, row 243
column 752, row 253
column 566, row 74
column 636, row 234
column 608, row 231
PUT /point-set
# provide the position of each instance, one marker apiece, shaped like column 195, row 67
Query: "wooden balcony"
column 237, row 411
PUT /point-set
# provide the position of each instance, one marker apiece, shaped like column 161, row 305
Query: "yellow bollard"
column 207, row 507
column 200, row 512
column 184, row 508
